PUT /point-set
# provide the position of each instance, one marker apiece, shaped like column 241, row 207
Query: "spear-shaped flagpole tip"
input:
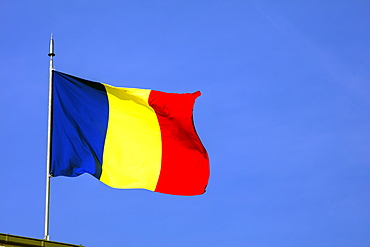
column 51, row 47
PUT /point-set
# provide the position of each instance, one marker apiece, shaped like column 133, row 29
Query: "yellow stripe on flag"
column 133, row 147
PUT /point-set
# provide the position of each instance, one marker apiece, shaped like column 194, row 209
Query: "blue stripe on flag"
column 79, row 124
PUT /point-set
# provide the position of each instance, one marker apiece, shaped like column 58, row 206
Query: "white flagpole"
column 48, row 155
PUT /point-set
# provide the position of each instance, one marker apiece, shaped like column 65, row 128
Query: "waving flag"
column 126, row 137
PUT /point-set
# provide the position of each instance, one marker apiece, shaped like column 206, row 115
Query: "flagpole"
column 48, row 155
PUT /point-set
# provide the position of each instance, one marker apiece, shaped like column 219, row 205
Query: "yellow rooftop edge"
column 7, row 240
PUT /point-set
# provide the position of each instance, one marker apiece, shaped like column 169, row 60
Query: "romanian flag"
column 127, row 137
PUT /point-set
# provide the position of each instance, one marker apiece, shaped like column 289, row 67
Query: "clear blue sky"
column 284, row 116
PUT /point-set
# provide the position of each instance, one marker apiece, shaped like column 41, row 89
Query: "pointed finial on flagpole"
column 51, row 47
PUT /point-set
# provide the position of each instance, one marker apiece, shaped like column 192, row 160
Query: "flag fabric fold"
column 126, row 137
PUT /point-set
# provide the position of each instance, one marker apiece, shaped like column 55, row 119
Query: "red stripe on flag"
column 185, row 162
